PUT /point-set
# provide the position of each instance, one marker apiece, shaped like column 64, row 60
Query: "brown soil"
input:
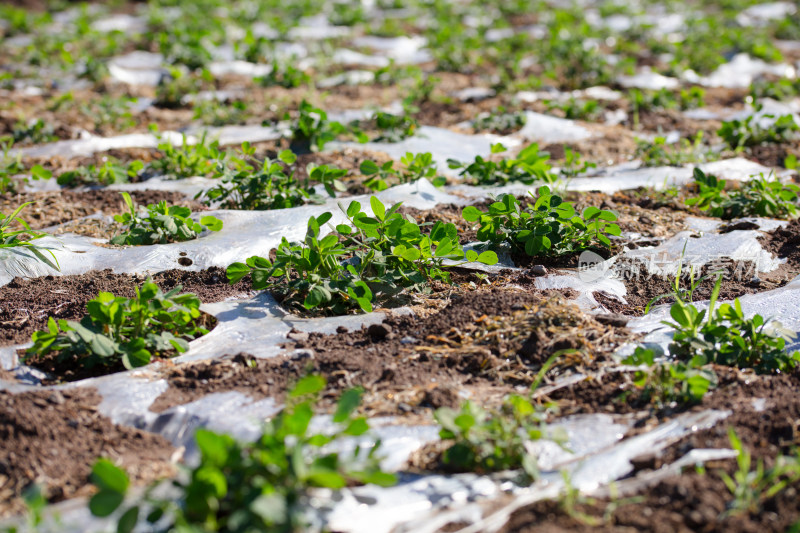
column 642, row 288
column 52, row 438
column 58, row 207
column 482, row 338
column 26, row 304
column 785, row 243
column 772, row 155
column 695, row 501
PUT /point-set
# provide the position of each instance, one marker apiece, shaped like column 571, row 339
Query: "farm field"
column 385, row 266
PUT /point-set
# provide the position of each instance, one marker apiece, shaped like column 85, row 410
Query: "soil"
column 785, row 243
column 738, row 280
column 696, row 501
column 58, row 207
column 52, row 438
column 26, row 304
column 415, row 360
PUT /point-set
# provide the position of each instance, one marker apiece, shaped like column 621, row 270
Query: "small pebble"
column 379, row 331
column 538, row 270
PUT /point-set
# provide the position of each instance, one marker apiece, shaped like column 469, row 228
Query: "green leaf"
column 312, row 384
column 471, row 213
column 107, row 476
column 378, row 209
column 369, row 168
column 211, row 222
column 38, row 172
column 488, row 258
column 105, row 502
column 287, row 156
column 127, row 522
column 348, row 402
column 214, row 448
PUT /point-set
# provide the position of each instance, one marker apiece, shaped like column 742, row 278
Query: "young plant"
column 187, row 160
column 313, row 129
column 272, row 186
column 760, row 196
column 528, row 166
column 109, row 173
column 414, row 167
column 385, row 254
column 548, row 227
column 723, row 335
column 752, row 488
column 574, row 109
column 490, row 440
column 10, row 166
column 667, row 382
column 574, row 164
column 161, row 224
column 752, row 131
column 263, row 485
column 128, row 331
column 502, row 122
column 35, row 131
column 394, row 128
column 23, row 238
column 658, row 153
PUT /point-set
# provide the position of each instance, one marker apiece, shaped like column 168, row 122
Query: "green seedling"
column 265, row 485
column 160, row 224
column 670, row 382
column 529, row 166
column 723, row 335
column 124, row 331
column 740, row 134
column 548, row 227
column 752, row 488
column 762, row 197
column 386, row 253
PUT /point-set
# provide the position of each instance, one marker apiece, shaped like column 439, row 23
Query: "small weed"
column 161, row 224
column 123, row 330
column 23, row 238
column 215, row 113
column 752, row 488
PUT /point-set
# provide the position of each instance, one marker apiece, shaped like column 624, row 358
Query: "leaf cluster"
column 272, row 185
column 23, row 238
column 550, row 226
column 754, row 130
column 381, row 254
column 670, row 382
column 124, row 330
column 760, row 196
column 259, row 486
column 723, row 335
column 528, row 166
column 160, row 224
column 413, row 167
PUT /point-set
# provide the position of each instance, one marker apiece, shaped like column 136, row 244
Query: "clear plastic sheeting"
column 442, row 143
column 549, row 129
column 708, row 249
column 647, row 79
column 434, row 501
column 782, row 304
column 244, row 233
column 739, row 73
column 138, row 68
column 91, row 144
